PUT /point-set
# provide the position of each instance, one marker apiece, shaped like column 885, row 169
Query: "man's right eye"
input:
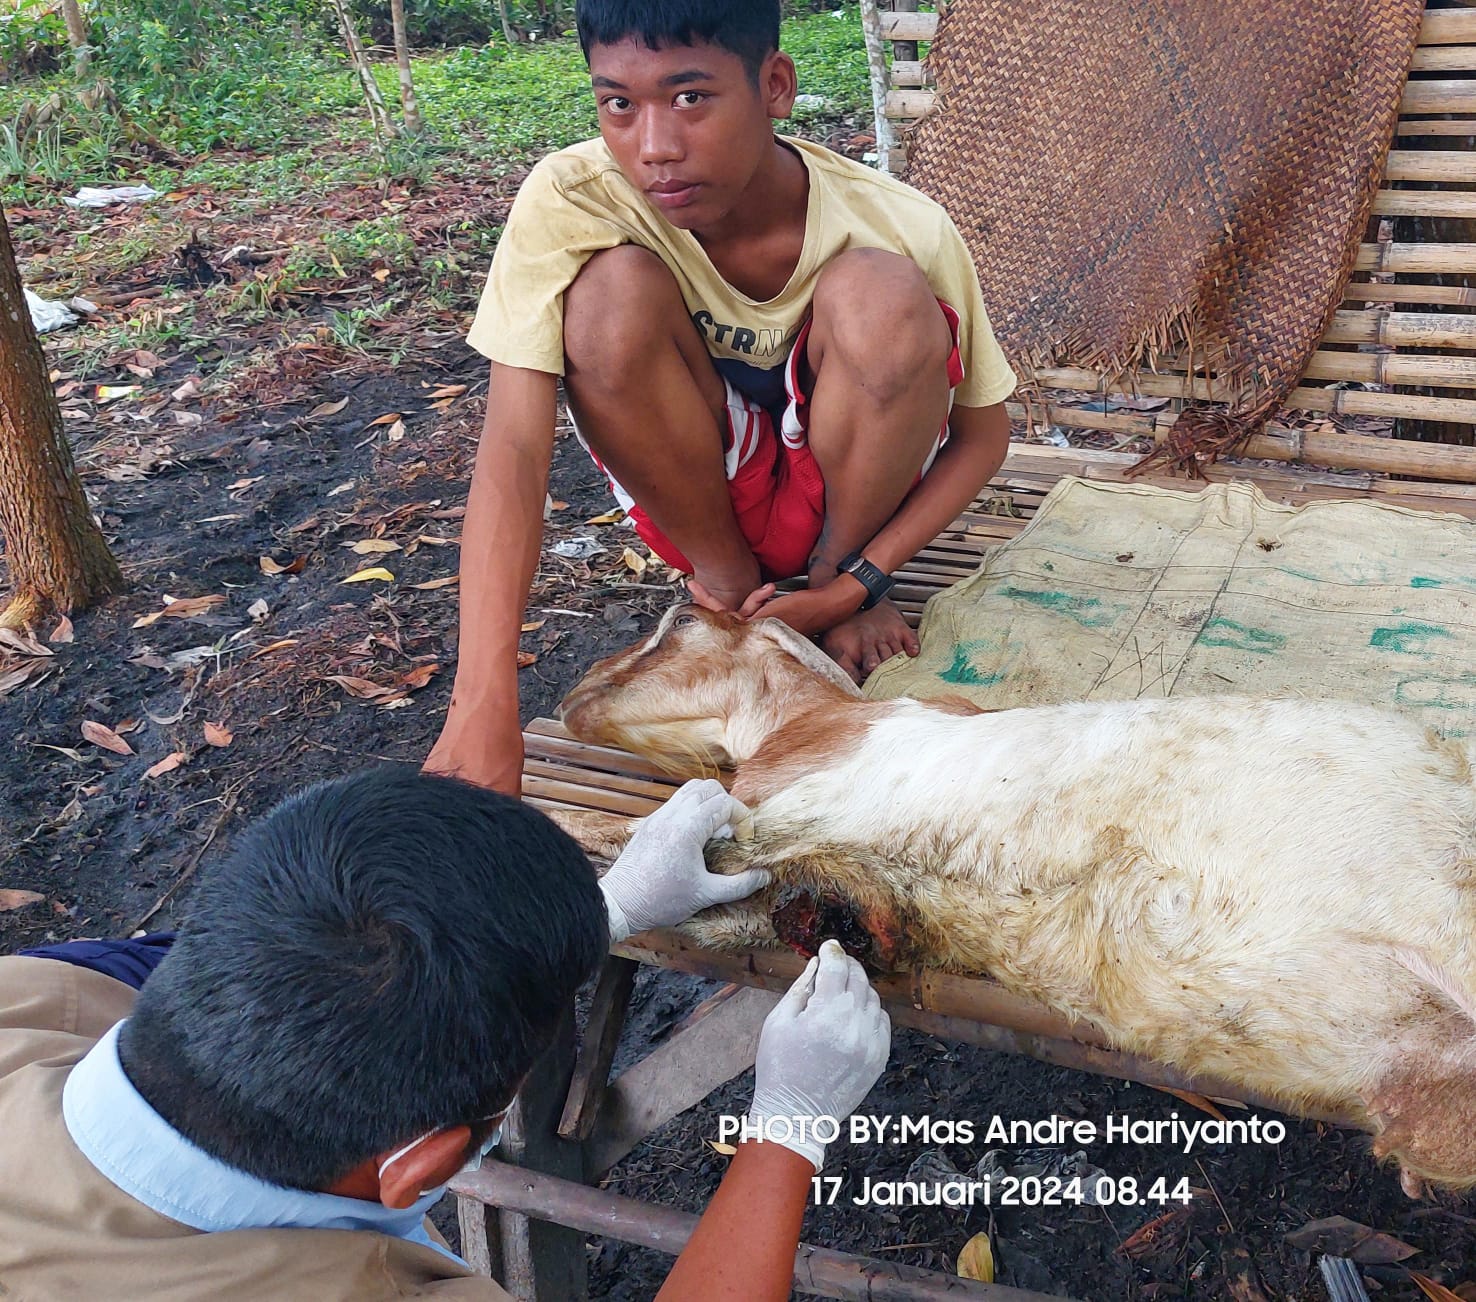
column 616, row 104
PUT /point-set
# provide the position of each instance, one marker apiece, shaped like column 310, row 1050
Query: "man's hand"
column 661, row 878
column 821, row 1049
column 712, row 599
column 487, row 751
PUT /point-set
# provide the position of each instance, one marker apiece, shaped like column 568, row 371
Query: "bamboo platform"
column 1414, row 365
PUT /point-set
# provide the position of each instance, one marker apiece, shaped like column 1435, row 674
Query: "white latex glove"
column 821, row 1049
column 661, row 879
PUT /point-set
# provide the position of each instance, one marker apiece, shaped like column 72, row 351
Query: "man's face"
column 686, row 124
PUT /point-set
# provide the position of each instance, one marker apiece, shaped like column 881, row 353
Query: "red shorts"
column 774, row 481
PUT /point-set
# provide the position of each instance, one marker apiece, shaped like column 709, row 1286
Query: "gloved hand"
column 821, row 1049
column 661, row 878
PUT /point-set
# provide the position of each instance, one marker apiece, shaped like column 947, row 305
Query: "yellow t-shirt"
column 576, row 202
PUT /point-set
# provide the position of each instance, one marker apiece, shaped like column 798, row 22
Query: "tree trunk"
column 507, row 32
column 378, row 113
column 408, row 106
column 77, row 34
column 58, row 559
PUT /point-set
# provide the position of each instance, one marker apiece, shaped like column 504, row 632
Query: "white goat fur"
column 1275, row 892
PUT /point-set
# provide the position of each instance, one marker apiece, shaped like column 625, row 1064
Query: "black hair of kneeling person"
column 379, row 956
column 747, row 28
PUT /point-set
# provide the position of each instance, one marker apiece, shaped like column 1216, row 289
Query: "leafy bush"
column 32, row 40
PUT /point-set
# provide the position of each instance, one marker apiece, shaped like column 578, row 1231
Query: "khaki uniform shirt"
column 67, row 1232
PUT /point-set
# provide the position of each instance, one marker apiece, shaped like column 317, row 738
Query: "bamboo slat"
column 908, row 102
column 1394, row 368
column 1426, row 329
column 1448, row 27
column 1414, row 164
column 910, row 72
column 1424, row 203
column 1423, row 127
column 1444, row 58
column 909, row 27
column 1416, row 259
column 1434, row 96
column 1362, row 291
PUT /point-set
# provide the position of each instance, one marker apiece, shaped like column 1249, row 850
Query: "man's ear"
column 430, row 1163
column 778, row 84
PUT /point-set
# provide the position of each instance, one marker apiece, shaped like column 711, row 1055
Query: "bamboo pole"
column 1438, row 97
column 1403, row 329
column 1416, row 259
column 1437, row 461
column 1444, row 58
column 909, row 72
column 1424, row 203
column 1363, row 291
column 818, row 1272
column 1386, row 369
column 907, row 105
column 1449, row 27
column 1420, row 164
column 1341, row 401
column 1418, row 127
column 876, row 65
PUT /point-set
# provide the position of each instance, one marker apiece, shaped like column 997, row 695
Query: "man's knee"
column 877, row 310
column 612, row 309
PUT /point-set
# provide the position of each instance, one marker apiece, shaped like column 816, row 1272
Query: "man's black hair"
column 379, row 956
column 747, row 28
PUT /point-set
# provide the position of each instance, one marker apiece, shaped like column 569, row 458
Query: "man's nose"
column 660, row 138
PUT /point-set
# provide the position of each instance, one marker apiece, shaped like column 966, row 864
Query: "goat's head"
column 703, row 690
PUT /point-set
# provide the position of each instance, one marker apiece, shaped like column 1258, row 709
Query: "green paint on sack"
column 1406, row 637
column 1089, row 612
column 1240, row 637
column 1423, row 581
column 962, row 671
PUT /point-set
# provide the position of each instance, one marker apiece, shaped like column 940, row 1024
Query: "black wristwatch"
column 876, row 583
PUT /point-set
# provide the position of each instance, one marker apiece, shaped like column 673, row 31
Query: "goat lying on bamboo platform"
column 1279, row 893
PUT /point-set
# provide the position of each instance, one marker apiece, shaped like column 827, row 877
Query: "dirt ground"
column 259, row 499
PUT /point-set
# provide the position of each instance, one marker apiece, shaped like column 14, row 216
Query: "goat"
column 1279, row 893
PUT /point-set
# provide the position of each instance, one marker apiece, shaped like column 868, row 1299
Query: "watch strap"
column 876, row 583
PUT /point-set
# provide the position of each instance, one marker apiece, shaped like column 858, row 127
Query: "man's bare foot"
column 868, row 637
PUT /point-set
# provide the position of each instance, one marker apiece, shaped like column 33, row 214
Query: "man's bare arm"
column 500, row 542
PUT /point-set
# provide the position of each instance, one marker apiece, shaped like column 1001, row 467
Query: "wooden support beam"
column 597, row 1048
column 677, row 1075
column 818, row 1272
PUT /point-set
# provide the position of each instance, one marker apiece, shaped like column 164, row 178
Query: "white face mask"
column 473, row 1163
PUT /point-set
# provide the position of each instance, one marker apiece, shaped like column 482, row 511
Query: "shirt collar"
column 137, row 1150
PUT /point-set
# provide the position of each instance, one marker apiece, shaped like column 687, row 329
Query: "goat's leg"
column 601, row 835
column 1425, row 1110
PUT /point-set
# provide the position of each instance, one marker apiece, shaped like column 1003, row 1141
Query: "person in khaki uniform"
column 268, row 1106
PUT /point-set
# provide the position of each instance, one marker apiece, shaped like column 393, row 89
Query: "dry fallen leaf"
column 448, row 391
column 372, row 546
column 1151, row 1238
column 1193, row 1100
column 217, row 734
column 324, row 409
column 183, row 608
column 609, row 517
column 419, row 676
column 535, row 626
column 447, row 582
column 727, row 1150
column 556, row 505
column 166, row 765
column 100, row 734
column 189, row 389
column 14, row 899
column 110, row 392
column 634, row 561
column 364, row 576
column 68, row 751
column 396, row 432
column 363, row 688
column 22, row 643
column 1338, row 1236
column 273, row 646
column 1433, row 1290
column 525, row 658
column 62, row 632
column 270, row 565
column 389, row 418
column 976, row 1261
column 258, row 609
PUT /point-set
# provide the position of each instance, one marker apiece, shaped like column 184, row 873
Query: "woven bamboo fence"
column 1402, row 348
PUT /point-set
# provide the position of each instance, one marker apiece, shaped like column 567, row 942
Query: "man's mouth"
column 672, row 194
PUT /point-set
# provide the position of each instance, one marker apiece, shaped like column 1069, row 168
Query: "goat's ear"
column 806, row 652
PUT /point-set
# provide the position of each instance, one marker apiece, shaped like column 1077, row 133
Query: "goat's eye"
column 686, row 621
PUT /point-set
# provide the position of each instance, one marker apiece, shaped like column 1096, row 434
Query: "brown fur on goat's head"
column 703, row 690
